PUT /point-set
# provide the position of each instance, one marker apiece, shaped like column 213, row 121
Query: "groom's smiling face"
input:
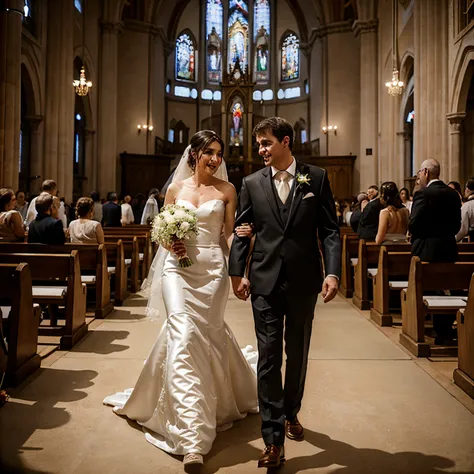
column 273, row 152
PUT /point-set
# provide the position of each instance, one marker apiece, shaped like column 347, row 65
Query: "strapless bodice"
column 210, row 216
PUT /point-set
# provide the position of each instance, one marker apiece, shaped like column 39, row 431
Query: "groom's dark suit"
column 286, row 275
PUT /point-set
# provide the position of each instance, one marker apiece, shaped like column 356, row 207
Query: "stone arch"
column 30, row 68
column 463, row 74
column 85, row 58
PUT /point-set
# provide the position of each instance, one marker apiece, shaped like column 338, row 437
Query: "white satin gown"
column 196, row 380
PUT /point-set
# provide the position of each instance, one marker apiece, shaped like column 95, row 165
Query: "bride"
column 196, row 380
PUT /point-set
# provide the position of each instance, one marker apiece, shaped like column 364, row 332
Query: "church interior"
column 104, row 95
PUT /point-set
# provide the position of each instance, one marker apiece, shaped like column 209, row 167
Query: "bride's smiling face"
column 209, row 159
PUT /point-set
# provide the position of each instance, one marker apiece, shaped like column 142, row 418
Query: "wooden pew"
column 350, row 246
column 20, row 322
column 145, row 248
column 62, row 275
column 131, row 258
column 392, row 276
column 93, row 263
column 366, row 267
column 464, row 374
column 119, row 268
column 425, row 277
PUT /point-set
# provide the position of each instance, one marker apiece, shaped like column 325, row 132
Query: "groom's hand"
column 330, row 287
column 241, row 287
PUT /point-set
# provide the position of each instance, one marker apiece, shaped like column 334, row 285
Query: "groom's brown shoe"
column 272, row 456
column 294, row 430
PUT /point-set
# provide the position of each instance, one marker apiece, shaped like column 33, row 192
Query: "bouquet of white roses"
column 174, row 223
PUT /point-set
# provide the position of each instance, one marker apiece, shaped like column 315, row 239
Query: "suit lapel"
column 267, row 186
column 298, row 196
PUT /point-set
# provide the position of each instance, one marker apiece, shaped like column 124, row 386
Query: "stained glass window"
column 185, row 58
column 290, row 58
column 214, row 32
column 238, row 25
column 27, row 9
column 237, row 131
column 78, row 5
column 262, row 39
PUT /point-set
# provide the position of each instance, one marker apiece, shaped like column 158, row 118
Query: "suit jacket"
column 46, row 230
column 111, row 214
column 311, row 218
column 435, row 220
column 369, row 220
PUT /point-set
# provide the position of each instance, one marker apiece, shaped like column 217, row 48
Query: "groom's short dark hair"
column 279, row 127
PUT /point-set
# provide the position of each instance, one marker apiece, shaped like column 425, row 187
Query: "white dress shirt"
column 31, row 214
column 467, row 218
column 290, row 170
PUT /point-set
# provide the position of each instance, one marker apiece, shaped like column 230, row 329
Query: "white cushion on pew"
column 444, row 302
column 128, row 261
column 111, row 270
column 398, row 285
column 354, row 261
column 5, row 310
column 372, row 271
column 140, row 256
column 88, row 279
column 49, row 291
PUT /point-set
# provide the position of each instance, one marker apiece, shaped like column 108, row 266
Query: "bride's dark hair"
column 200, row 141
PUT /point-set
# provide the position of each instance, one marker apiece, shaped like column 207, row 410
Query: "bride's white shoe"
column 193, row 458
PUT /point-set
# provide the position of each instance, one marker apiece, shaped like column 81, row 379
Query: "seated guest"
column 362, row 200
column 406, row 198
column 21, row 204
column 457, row 187
column 467, row 213
column 369, row 219
column 151, row 207
column 393, row 221
column 47, row 228
column 127, row 212
column 84, row 229
column 112, row 212
column 11, row 221
column 373, row 192
column 48, row 186
column 95, row 196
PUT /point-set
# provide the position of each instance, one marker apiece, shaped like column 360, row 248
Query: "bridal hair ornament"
column 152, row 285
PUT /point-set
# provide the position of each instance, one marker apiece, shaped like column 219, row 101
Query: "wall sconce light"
column 330, row 128
column 146, row 128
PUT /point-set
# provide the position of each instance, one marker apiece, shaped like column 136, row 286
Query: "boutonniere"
column 302, row 178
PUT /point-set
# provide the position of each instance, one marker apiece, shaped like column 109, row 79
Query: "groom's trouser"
column 276, row 402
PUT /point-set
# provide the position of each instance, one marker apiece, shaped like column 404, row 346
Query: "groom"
column 292, row 209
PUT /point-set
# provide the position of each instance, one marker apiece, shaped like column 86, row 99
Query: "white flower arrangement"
column 303, row 178
column 174, row 223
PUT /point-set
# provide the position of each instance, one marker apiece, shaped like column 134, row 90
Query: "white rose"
column 184, row 226
column 180, row 214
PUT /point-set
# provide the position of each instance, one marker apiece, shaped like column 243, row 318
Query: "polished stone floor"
column 368, row 408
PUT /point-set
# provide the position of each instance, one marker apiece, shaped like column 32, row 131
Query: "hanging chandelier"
column 395, row 86
column 82, row 85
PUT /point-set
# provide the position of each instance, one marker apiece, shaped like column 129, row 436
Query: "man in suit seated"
column 111, row 211
column 369, row 219
column 434, row 222
column 47, row 228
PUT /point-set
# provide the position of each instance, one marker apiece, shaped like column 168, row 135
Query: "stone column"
column 36, row 152
column 405, row 149
column 107, row 146
column 59, row 114
column 456, row 152
column 366, row 30
column 11, row 16
column 91, row 165
column 431, row 81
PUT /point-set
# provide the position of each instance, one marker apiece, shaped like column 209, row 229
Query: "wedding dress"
column 196, row 379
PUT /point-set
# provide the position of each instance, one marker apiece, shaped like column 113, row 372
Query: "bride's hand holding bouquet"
column 171, row 227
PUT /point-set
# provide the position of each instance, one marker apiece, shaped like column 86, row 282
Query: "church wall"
column 294, row 111
column 185, row 111
column 343, row 94
column 132, row 91
column 158, row 117
column 316, row 97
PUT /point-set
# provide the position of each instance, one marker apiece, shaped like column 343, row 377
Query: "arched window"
column 185, row 57
column 238, row 24
column 214, row 32
column 261, row 24
column 78, row 5
column 290, row 57
column 80, row 126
